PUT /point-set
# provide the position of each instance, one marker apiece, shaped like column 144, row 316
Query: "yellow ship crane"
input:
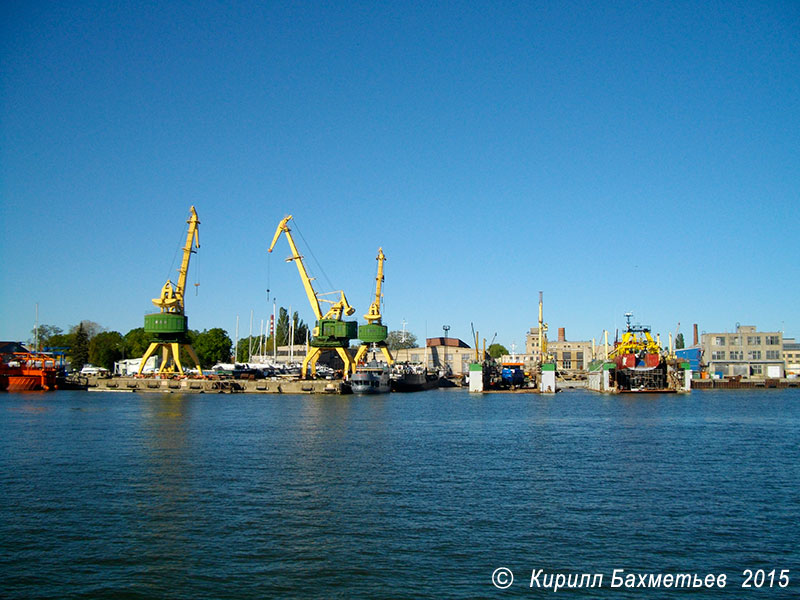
column 170, row 326
column 331, row 332
column 374, row 332
column 631, row 344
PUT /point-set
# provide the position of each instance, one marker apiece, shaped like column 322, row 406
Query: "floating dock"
column 217, row 386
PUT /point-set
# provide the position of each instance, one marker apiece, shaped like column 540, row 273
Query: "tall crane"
column 170, row 326
column 374, row 332
column 330, row 331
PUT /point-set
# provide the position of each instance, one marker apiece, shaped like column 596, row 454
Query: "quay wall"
column 217, row 386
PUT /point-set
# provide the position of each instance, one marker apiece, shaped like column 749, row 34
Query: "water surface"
column 110, row 495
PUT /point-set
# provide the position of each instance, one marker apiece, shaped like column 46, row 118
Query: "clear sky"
column 619, row 156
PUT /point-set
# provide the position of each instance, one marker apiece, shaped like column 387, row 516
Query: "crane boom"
column 283, row 227
column 171, row 298
column 374, row 312
column 191, row 236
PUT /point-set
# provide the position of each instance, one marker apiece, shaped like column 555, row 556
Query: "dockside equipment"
column 331, row 331
column 374, row 333
column 170, row 326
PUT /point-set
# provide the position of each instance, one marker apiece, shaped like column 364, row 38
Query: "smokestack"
column 695, row 335
column 562, row 336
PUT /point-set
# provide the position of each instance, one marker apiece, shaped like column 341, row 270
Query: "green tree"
column 89, row 327
column 79, row 355
column 106, row 348
column 282, row 327
column 679, row 343
column 61, row 340
column 300, row 329
column 46, row 332
column 397, row 340
column 136, row 343
column 212, row 346
column 497, row 350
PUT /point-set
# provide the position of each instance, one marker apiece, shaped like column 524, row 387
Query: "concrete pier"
column 218, row 386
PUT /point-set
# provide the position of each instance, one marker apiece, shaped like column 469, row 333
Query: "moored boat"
column 28, row 371
column 640, row 363
column 372, row 378
column 412, row 378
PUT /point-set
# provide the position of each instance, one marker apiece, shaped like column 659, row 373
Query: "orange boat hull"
column 28, row 381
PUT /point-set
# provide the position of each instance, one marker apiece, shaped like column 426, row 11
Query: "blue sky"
column 619, row 156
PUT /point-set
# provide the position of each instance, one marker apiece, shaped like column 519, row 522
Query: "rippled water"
column 107, row 495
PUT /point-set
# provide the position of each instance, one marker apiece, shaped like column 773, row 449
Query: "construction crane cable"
column 178, row 248
column 269, row 270
column 319, row 265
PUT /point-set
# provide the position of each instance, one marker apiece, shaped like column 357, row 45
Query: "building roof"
column 11, row 347
column 449, row 342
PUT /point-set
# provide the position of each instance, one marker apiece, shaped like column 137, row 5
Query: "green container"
column 372, row 333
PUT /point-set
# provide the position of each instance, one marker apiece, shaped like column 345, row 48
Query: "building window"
column 567, row 363
column 753, row 340
column 754, row 354
column 737, row 355
column 756, row 369
column 736, row 340
column 773, row 354
column 719, row 355
column 773, row 340
column 719, row 340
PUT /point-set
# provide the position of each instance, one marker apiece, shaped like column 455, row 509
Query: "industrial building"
column 571, row 357
column 745, row 353
column 791, row 357
column 447, row 354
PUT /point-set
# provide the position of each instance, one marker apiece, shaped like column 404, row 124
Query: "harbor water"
column 426, row 495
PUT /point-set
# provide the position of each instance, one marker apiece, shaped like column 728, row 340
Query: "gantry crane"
column 331, row 331
column 374, row 332
column 170, row 327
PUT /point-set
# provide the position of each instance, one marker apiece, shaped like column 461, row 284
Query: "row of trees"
column 88, row 342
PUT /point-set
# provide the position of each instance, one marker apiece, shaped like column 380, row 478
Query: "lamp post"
column 446, row 329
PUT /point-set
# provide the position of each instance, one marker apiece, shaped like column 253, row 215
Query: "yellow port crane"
column 331, row 331
column 374, row 332
column 170, row 326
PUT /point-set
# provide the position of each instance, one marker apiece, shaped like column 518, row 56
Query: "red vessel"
column 23, row 371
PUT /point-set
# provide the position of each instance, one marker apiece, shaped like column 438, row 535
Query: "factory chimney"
column 695, row 335
column 562, row 336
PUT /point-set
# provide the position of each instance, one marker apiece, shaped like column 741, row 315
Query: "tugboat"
column 640, row 363
column 372, row 378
